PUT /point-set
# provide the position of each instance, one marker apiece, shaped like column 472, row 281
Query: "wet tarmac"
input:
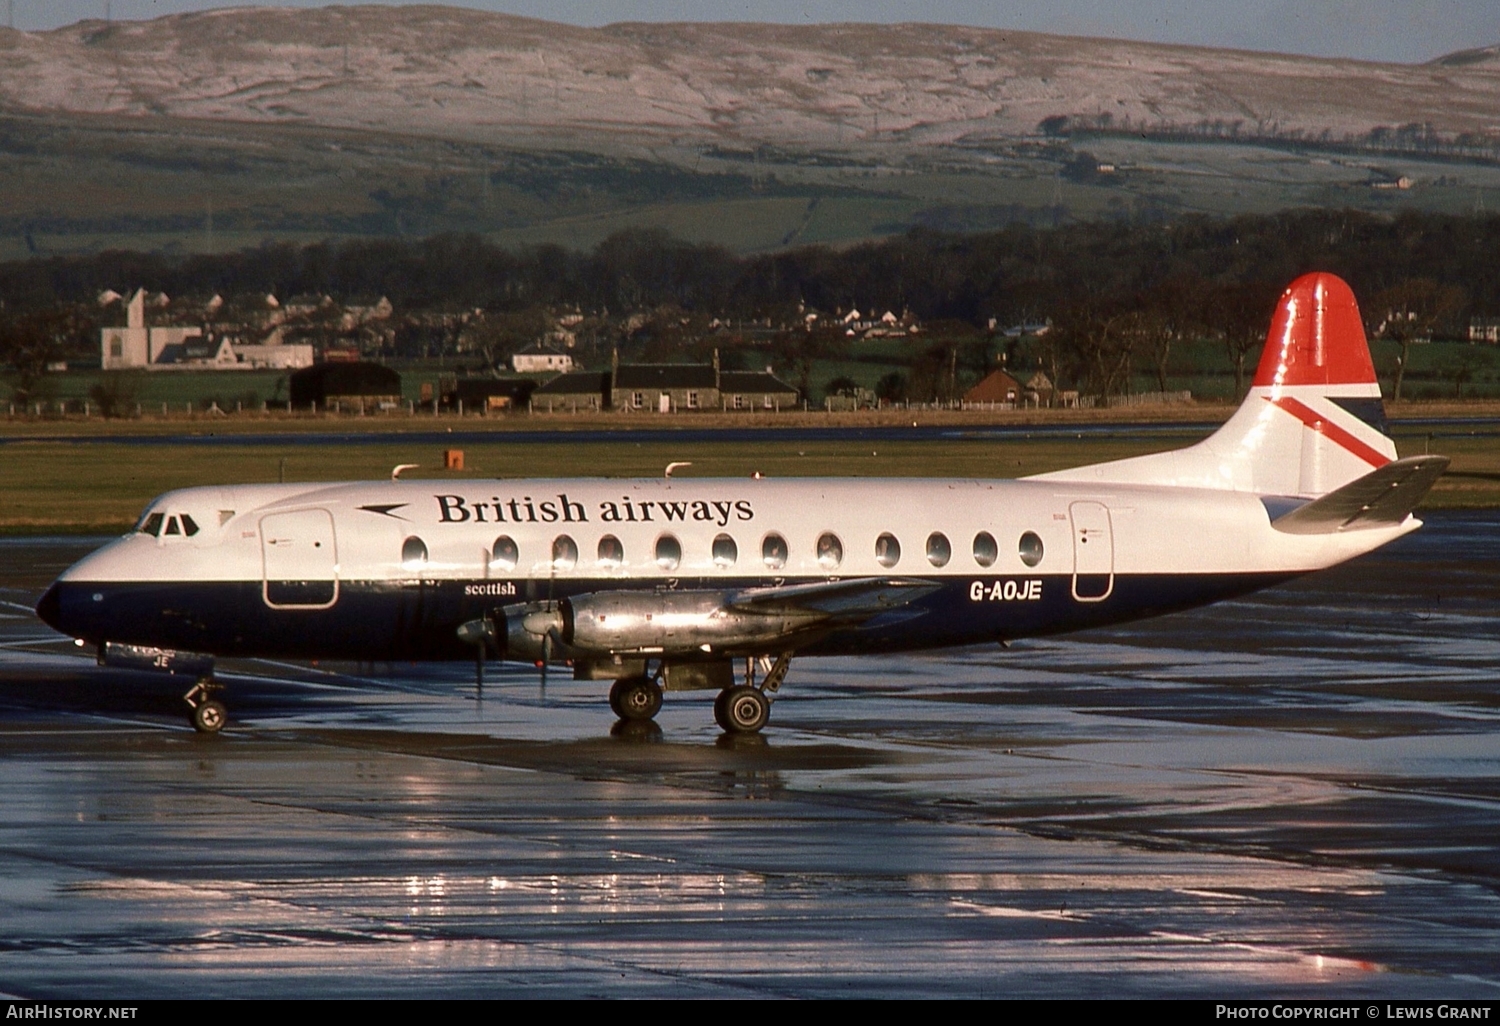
column 1296, row 794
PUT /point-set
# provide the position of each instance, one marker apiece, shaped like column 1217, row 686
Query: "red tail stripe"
column 1329, row 430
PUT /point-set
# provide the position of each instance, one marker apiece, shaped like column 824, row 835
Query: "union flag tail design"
column 1313, row 420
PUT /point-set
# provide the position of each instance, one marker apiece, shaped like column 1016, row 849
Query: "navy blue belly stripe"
column 419, row 620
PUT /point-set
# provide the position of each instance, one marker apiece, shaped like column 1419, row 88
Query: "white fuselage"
column 391, row 569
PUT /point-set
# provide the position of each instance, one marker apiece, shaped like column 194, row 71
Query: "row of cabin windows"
column 774, row 551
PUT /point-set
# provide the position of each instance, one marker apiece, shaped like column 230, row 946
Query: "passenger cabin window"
column 938, row 549
column 504, row 555
column 830, row 551
column 611, row 552
column 773, row 551
column 668, row 552
column 152, row 524
column 985, row 549
column 413, row 553
column 1031, row 548
column 887, row 550
column 725, row 551
column 564, row 553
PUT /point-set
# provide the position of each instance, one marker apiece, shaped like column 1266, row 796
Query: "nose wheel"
column 206, row 713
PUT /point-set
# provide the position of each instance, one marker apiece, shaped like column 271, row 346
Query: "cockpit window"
column 172, row 527
column 152, row 524
column 189, row 528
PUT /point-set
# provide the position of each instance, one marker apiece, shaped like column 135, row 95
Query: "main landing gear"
column 206, row 713
column 635, row 699
column 739, row 709
column 746, row 708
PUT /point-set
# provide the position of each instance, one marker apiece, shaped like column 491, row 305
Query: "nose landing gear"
column 206, row 713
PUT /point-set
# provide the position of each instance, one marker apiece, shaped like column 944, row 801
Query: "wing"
column 1382, row 498
column 828, row 602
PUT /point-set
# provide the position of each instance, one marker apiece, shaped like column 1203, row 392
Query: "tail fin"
column 1313, row 420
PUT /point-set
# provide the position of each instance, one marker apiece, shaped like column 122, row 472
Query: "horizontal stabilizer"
column 835, row 600
column 1382, row 498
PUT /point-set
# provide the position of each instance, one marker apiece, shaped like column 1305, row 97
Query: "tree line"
column 1119, row 296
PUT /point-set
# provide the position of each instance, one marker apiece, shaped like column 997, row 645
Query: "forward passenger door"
column 300, row 557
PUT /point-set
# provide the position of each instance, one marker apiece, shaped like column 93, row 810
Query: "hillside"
column 478, row 76
column 226, row 128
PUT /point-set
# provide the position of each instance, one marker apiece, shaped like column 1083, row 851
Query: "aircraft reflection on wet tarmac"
column 1293, row 794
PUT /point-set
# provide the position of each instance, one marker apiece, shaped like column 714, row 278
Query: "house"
column 664, row 388
column 573, row 392
column 755, row 390
column 1037, row 390
column 1484, row 329
column 999, row 387
column 541, row 359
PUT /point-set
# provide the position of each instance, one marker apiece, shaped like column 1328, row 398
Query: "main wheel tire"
column 635, row 698
column 209, row 717
column 742, row 709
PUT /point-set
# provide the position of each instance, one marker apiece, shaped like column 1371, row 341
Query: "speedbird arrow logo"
column 385, row 509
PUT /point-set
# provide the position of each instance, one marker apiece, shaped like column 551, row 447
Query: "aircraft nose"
column 50, row 608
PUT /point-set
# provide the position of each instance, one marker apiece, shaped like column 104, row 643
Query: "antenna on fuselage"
column 673, row 466
column 398, row 468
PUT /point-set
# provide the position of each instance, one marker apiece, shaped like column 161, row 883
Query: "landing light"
column 79, row 642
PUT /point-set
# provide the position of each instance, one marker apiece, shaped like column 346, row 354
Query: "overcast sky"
column 1390, row 30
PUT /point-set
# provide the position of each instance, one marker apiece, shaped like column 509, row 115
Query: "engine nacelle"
column 532, row 632
column 669, row 621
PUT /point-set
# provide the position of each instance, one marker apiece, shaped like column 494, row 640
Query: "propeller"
column 481, row 634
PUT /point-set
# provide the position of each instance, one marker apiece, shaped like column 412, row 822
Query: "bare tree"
column 1411, row 311
column 1239, row 313
column 1173, row 311
column 1103, row 342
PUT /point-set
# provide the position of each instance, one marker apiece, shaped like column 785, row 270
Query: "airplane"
column 677, row 584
